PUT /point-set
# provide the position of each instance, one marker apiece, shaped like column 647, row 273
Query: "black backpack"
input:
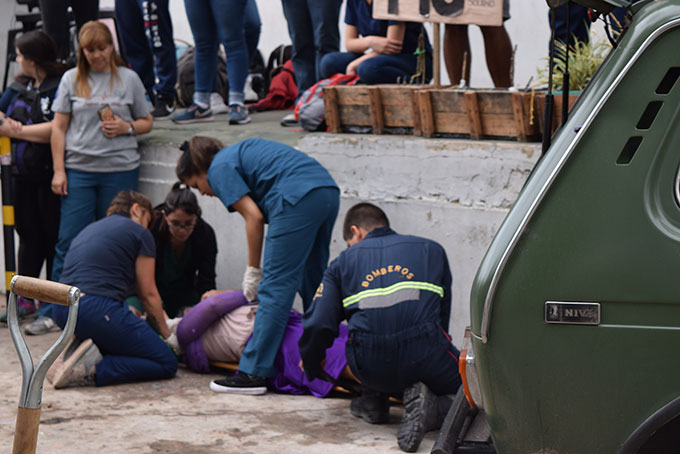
column 277, row 58
column 32, row 106
column 185, row 77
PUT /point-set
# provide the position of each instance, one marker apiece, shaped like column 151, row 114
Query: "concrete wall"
column 453, row 191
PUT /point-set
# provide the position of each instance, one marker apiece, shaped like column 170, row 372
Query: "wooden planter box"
column 557, row 109
column 429, row 111
column 478, row 113
column 378, row 107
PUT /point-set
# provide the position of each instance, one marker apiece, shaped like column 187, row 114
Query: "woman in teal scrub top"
column 268, row 183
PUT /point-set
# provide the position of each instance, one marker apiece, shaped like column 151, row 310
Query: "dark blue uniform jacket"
column 384, row 285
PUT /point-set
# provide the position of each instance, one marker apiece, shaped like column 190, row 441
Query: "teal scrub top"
column 269, row 172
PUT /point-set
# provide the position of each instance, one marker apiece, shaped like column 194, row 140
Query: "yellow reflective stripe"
column 8, row 215
column 8, row 279
column 391, row 289
column 5, row 146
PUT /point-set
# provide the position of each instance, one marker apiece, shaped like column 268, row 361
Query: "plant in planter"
column 584, row 59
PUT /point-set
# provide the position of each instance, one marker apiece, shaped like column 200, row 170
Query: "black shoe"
column 372, row 406
column 163, row 107
column 241, row 383
column 422, row 415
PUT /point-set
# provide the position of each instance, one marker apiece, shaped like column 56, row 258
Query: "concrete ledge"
column 456, row 192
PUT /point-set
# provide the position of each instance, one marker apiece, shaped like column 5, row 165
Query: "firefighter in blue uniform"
column 395, row 292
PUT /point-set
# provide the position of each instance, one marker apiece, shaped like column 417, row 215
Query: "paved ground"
column 183, row 416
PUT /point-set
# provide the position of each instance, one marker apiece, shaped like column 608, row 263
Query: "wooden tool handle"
column 51, row 292
column 26, row 431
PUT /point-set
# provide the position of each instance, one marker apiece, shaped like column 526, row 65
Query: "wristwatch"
column 131, row 131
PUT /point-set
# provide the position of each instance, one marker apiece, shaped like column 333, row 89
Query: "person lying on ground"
column 219, row 327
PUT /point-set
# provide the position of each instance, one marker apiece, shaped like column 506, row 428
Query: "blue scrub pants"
column 132, row 351
column 146, row 34
column 389, row 363
column 89, row 196
column 295, row 258
column 313, row 29
column 384, row 69
column 225, row 21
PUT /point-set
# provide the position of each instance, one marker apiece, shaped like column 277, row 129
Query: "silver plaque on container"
column 572, row 313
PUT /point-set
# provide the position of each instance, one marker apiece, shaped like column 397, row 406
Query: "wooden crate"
column 377, row 107
column 557, row 109
column 478, row 113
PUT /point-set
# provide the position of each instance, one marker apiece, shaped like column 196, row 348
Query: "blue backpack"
column 32, row 106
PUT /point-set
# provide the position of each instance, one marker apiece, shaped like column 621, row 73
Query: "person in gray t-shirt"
column 100, row 107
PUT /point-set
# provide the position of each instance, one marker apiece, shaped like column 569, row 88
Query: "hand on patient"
column 251, row 280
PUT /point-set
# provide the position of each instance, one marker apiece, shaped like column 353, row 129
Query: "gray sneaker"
column 41, row 325
column 77, row 366
column 238, row 115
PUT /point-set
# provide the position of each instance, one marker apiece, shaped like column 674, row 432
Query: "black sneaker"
column 372, row 406
column 163, row 107
column 422, row 415
column 241, row 383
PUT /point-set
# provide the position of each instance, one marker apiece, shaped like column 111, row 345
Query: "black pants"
column 391, row 363
column 55, row 21
column 36, row 217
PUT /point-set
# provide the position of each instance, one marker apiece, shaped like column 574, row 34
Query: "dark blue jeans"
column 390, row 363
column 145, row 30
column 132, row 351
column 89, row 196
column 384, row 69
column 313, row 29
column 215, row 21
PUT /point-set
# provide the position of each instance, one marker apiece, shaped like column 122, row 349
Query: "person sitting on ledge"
column 393, row 48
column 112, row 345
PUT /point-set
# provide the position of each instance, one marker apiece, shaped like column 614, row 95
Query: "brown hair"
column 197, row 156
column 94, row 34
column 40, row 49
column 123, row 201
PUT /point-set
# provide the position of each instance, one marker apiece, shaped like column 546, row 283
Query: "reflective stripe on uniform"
column 388, row 296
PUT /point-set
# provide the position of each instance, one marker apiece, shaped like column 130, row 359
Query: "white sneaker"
column 78, row 367
column 217, row 104
column 249, row 93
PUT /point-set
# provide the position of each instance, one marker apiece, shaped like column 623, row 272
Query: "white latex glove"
column 251, row 279
column 172, row 341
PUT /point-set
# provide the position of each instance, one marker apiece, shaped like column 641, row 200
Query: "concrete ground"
column 182, row 416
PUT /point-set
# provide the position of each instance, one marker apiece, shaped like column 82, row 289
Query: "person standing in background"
column 212, row 22
column 146, row 35
column 497, row 46
column 313, row 29
column 56, row 24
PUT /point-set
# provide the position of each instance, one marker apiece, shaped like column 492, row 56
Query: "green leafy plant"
column 584, row 59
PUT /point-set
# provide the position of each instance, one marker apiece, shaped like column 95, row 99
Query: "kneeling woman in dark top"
column 185, row 251
column 111, row 345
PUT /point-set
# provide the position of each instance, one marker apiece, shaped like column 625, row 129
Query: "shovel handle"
column 51, row 292
column 26, row 431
